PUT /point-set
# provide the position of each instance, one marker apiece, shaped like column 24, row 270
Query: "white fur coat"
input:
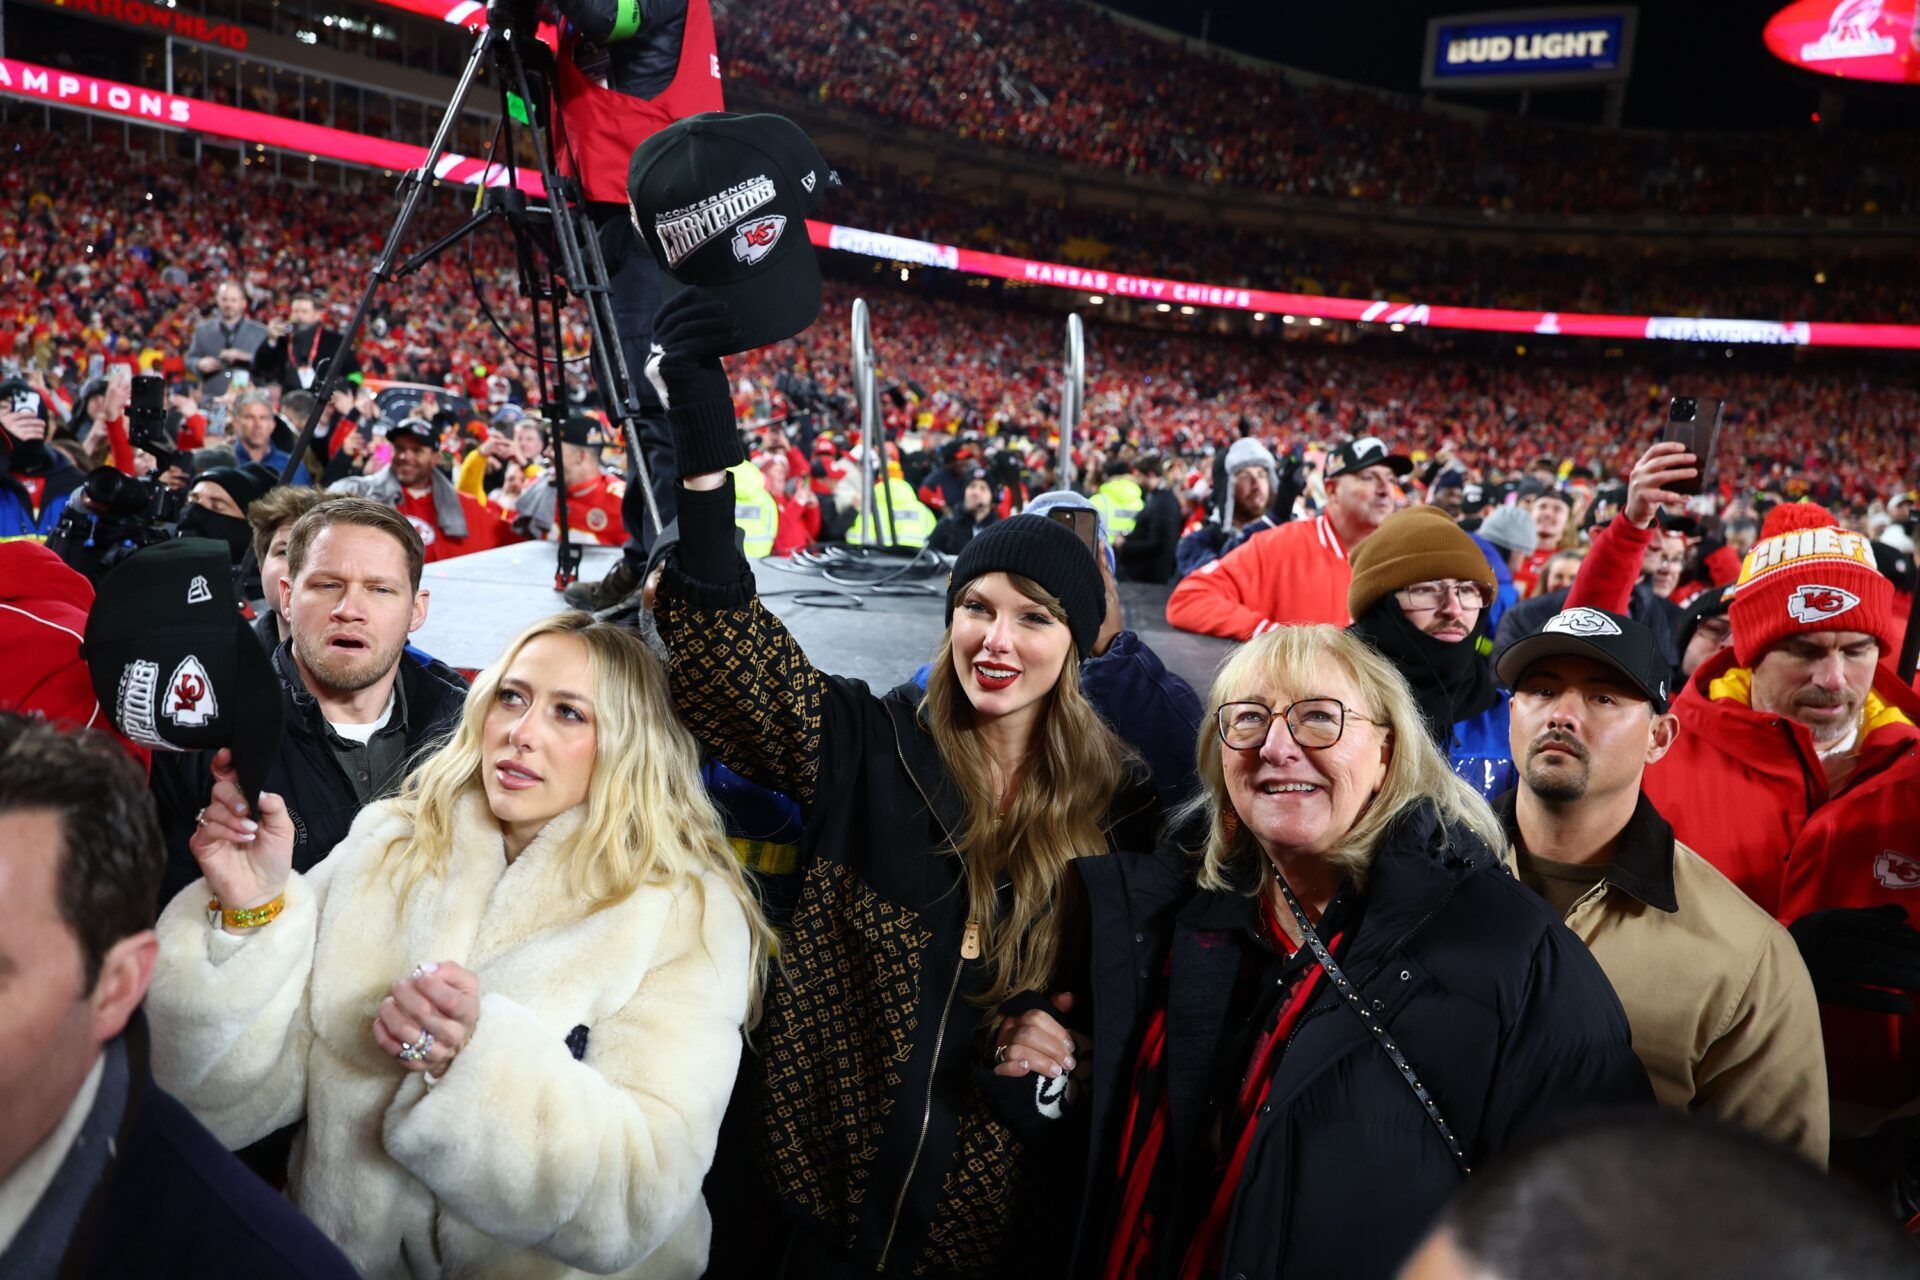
column 520, row 1161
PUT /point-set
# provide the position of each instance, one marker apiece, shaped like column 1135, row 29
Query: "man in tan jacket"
column 1722, row 1009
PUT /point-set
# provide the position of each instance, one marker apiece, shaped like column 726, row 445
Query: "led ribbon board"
column 109, row 98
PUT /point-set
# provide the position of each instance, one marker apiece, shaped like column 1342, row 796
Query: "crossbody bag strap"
column 1351, row 995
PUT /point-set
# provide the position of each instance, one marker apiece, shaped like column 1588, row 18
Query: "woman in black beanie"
column 938, row 894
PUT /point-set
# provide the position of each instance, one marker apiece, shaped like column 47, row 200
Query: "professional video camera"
column 116, row 517
column 118, row 514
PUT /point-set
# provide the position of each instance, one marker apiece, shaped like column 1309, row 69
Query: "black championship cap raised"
column 1610, row 638
column 722, row 202
column 174, row 663
column 1362, row 452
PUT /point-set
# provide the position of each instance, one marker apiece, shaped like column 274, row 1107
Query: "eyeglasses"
column 1315, row 723
column 1429, row 595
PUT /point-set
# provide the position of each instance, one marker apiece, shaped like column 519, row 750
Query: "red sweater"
column 1297, row 573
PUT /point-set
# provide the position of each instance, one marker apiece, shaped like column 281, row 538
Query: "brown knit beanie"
column 1420, row 544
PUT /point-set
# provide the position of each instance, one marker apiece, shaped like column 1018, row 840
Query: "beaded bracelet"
column 248, row 917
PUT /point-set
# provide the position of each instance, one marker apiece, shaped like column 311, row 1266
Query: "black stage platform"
column 481, row 601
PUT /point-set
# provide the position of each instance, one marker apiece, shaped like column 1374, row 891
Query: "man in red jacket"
column 1797, row 775
column 1297, row 573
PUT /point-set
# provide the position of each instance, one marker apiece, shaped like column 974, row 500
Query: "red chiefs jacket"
column 1297, row 573
column 1747, row 791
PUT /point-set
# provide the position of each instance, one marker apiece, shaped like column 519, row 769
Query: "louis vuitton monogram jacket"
column 875, row 1122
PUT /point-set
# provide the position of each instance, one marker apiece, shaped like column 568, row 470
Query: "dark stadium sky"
column 1697, row 63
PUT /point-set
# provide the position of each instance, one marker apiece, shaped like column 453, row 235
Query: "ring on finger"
column 200, row 819
column 1000, row 1055
column 419, row 1049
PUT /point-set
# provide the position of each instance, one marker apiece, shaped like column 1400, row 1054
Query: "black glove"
column 1852, row 950
column 690, row 334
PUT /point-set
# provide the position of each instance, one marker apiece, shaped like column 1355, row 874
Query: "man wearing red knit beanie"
column 1797, row 774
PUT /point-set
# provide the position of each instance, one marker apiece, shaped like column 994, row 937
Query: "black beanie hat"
column 1047, row 552
column 243, row 484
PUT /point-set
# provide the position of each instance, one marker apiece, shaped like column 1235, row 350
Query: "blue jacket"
column 1480, row 752
column 1507, row 595
column 16, row 511
column 1210, row 541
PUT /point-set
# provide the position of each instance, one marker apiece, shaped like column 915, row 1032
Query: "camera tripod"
column 557, row 255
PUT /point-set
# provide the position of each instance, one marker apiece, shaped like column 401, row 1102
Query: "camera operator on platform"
column 626, row 70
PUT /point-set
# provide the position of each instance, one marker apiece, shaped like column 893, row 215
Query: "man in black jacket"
column 299, row 350
column 1147, row 553
column 957, row 529
column 360, row 710
column 101, row 1173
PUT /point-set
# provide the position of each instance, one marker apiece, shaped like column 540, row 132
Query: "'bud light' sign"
column 1536, row 48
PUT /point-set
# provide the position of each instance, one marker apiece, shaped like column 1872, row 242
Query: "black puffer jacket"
column 878, row 1119
column 1506, row 1017
column 305, row 773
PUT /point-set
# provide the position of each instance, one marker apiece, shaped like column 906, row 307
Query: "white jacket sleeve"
column 594, row 1163
column 229, row 1012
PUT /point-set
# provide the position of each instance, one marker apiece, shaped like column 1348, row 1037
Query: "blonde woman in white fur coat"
column 508, row 1006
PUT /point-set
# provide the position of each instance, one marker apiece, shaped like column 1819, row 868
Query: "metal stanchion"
column 1073, row 398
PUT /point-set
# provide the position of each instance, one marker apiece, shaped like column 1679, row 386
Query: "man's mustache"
column 1555, row 738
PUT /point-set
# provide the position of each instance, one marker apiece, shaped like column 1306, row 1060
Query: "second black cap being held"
column 1050, row 554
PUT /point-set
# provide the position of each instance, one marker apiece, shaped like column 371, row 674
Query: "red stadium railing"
column 171, row 111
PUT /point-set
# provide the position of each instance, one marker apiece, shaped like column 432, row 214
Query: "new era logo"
column 1582, row 622
column 1816, row 603
column 198, row 592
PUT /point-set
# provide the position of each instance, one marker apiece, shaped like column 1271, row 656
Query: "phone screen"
column 242, row 379
column 1695, row 423
column 1085, row 525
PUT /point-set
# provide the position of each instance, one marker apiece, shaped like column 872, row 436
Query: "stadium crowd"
column 1549, row 816
column 1071, row 81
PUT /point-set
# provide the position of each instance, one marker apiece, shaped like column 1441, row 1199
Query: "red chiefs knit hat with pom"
column 1805, row 573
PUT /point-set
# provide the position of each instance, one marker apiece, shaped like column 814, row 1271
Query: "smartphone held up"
column 1695, row 424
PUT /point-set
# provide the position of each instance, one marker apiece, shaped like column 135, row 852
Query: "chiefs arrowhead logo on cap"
column 189, row 698
column 1814, row 602
column 755, row 240
column 1582, row 622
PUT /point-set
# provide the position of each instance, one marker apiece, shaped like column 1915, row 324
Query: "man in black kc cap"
column 722, row 202
column 174, row 664
column 1612, row 639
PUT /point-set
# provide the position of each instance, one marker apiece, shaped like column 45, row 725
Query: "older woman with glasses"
column 1321, row 1008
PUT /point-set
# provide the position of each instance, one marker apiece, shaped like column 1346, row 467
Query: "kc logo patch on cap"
column 755, row 240
column 1815, row 602
column 1582, row 622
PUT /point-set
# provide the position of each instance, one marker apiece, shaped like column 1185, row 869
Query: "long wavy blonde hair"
column 648, row 819
column 1295, row 659
column 1055, row 813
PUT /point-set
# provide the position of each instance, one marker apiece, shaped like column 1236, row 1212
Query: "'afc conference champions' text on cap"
column 721, row 201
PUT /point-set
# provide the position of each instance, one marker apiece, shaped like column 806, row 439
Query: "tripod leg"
column 414, row 185
column 633, row 297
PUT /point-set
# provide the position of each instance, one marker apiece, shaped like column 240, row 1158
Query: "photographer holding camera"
column 36, row 481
